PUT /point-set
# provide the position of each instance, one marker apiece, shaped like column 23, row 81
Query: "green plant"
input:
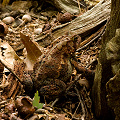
column 36, row 101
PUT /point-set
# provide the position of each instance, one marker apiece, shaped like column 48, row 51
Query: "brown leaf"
column 33, row 51
column 8, row 55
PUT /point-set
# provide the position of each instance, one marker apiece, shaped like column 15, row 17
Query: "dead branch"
column 92, row 38
column 89, row 21
column 82, row 105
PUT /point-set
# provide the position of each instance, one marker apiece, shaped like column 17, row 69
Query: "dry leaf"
column 8, row 55
column 33, row 51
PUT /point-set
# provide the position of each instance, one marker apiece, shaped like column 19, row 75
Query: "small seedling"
column 36, row 101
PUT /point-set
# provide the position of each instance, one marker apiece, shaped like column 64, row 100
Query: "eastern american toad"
column 53, row 68
column 50, row 73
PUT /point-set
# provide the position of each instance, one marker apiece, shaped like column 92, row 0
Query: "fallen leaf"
column 33, row 51
column 8, row 55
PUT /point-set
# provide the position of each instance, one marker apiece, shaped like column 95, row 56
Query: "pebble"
column 8, row 20
column 38, row 31
column 27, row 18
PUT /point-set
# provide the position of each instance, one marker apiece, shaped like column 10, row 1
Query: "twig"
column 3, row 62
column 54, row 102
column 92, row 38
column 76, row 79
column 3, row 102
column 76, row 109
column 82, row 105
column 79, row 5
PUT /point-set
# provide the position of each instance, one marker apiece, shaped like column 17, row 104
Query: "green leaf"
column 40, row 105
column 36, row 101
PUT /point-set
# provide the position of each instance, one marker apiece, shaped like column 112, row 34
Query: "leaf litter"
column 19, row 47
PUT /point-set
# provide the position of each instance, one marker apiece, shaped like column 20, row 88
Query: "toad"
column 53, row 68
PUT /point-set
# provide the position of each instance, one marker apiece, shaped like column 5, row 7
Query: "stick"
column 82, row 105
column 92, row 38
column 54, row 102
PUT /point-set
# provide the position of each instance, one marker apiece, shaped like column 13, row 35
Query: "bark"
column 83, row 25
column 70, row 6
column 106, row 88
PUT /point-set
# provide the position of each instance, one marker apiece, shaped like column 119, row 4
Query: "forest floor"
column 15, row 104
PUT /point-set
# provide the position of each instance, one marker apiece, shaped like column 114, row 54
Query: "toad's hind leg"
column 54, row 89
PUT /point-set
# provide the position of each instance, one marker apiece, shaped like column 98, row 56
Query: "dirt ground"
column 15, row 103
